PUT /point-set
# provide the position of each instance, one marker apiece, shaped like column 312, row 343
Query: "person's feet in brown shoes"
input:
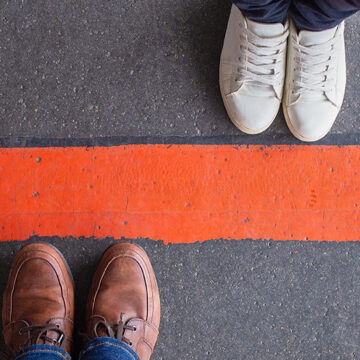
column 124, row 301
column 38, row 302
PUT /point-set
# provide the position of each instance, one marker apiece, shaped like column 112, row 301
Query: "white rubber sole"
column 296, row 134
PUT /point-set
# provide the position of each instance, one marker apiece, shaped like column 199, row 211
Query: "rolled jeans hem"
column 107, row 348
column 48, row 352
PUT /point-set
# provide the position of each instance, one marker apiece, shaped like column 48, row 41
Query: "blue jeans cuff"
column 38, row 352
column 107, row 348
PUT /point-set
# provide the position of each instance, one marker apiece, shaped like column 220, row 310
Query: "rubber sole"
column 293, row 131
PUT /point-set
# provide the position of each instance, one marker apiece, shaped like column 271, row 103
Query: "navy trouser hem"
column 312, row 15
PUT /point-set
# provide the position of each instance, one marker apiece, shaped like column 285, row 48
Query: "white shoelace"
column 261, row 58
column 315, row 67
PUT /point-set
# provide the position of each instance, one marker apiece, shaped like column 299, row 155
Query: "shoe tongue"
column 308, row 38
column 54, row 335
column 102, row 332
column 265, row 30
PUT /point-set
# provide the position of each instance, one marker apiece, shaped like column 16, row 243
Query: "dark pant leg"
column 316, row 15
column 264, row 11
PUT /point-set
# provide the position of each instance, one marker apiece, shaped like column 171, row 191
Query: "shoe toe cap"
column 252, row 114
column 310, row 121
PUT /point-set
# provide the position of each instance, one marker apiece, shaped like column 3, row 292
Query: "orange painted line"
column 181, row 193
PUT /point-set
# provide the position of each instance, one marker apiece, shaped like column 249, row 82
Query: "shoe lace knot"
column 116, row 331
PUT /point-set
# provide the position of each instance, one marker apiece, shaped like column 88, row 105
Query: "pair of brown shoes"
column 123, row 303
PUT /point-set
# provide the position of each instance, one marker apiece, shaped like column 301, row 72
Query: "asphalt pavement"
column 81, row 73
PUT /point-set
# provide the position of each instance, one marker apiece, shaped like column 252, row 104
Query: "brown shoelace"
column 38, row 332
column 35, row 334
column 115, row 331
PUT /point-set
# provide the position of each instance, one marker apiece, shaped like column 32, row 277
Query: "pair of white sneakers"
column 263, row 65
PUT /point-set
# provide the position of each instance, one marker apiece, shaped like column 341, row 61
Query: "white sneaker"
column 315, row 81
column 252, row 71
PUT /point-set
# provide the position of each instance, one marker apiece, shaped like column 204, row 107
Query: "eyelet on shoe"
column 131, row 344
column 134, row 328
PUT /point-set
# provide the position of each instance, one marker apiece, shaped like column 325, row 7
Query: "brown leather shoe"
column 38, row 302
column 124, row 299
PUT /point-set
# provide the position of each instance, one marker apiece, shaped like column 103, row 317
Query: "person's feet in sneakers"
column 124, row 301
column 252, row 71
column 315, row 81
column 38, row 302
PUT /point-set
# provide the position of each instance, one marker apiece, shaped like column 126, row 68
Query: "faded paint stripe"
column 181, row 193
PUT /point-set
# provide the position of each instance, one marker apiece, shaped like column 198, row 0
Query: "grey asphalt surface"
column 112, row 72
column 81, row 69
